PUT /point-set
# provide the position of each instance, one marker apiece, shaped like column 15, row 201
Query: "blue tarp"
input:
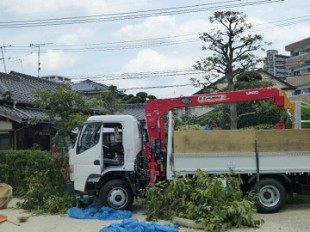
column 133, row 225
column 97, row 211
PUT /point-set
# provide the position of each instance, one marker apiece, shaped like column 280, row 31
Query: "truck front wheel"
column 116, row 194
column 271, row 195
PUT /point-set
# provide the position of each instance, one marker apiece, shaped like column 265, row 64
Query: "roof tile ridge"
column 33, row 78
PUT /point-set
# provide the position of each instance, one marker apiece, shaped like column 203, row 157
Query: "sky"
column 136, row 45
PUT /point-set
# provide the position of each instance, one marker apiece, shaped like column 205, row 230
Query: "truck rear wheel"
column 116, row 194
column 271, row 195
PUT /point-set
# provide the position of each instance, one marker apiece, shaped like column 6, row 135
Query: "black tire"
column 116, row 194
column 271, row 195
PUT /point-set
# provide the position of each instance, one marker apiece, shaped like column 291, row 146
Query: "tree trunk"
column 233, row 116
column 233, row 107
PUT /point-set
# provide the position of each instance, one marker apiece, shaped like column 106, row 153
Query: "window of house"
column 297, row 92
column 304, row 91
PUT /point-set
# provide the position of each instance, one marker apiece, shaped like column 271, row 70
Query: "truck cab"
column 102, row 161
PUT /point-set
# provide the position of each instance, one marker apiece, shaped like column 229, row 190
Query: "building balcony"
column 298, row 61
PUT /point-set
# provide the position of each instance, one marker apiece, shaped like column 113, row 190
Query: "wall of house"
column 6, row 128
column 276, row 83
column 18, row 136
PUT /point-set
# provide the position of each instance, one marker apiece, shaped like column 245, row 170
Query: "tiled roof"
column 21, row 114
column 21, row 88
column 17, row 91
column 34, row 113
column 90, row 86
column 137, row 110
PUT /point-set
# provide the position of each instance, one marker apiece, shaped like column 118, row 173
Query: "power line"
column 132, row 15
column 157, row 87
column 111, row 48
column 151, row 42
column 280, row 23
column 142, row 75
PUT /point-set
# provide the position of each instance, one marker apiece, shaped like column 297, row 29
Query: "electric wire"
column 157, row 87
column 281, row 23
column 149, row 42
column 115, row 77
column 131, row 15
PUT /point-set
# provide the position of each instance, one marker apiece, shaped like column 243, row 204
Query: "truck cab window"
column 113, row 149
column 89, row 137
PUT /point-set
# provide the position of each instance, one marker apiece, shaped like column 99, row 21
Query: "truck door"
column 112, row 143
column 88, row 161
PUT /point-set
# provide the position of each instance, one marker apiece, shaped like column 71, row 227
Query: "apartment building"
column 58, row 79
column 299, row 67
column 275, row 64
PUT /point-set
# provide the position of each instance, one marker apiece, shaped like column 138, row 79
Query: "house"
column 17, row 112
column 90, row 87
column 276, row 82
column 58, row 79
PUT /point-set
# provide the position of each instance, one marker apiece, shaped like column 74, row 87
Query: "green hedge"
column 16, row 167
column 37, row 179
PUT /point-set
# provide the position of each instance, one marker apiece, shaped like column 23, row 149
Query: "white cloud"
column 161, row 26
column 50, row 61
column 151, row 27
column 277, row 35
column 26, row 7
column 75, row 37
column 151, row 60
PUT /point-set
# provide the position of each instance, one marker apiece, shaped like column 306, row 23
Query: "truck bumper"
column 70, row 187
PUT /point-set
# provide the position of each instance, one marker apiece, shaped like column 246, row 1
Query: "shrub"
column 37, row 179
column 17, row 166
column 216, row 202
column 46, row 194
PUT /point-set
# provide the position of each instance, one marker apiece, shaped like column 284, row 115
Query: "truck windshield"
column 89, row 137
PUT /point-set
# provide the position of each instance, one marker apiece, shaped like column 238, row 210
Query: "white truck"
column 113, row 160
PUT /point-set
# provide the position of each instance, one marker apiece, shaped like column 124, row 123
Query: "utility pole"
column 2, row 52
column 39, row 54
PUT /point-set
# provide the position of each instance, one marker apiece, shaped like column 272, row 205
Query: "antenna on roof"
column 39, row 53
column 3, row 49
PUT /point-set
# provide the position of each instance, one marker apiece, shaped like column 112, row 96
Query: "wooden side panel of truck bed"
column 279, row 151
column 283, row 140
column 221, row 141
column 204, row 141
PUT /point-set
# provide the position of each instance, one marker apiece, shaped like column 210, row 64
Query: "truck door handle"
column 96, row 162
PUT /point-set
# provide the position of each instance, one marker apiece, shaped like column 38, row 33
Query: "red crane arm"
column 156, row 110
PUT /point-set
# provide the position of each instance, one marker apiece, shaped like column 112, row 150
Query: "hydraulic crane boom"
column 157, row 109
